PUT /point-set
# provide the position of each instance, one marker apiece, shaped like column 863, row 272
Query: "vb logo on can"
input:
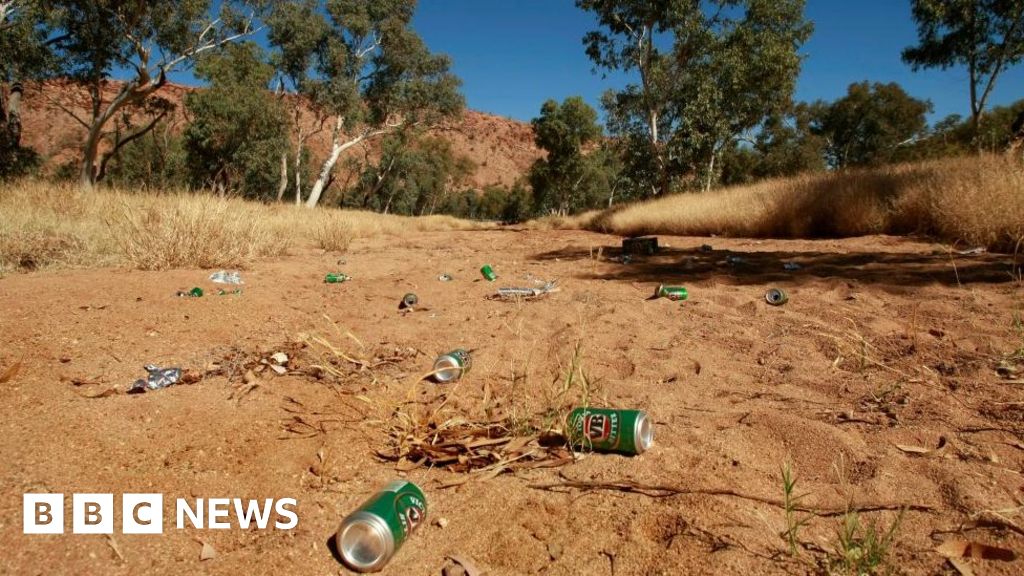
column 599, row 427
column 413, row 516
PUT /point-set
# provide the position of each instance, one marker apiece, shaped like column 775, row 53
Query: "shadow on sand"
column 881, row 268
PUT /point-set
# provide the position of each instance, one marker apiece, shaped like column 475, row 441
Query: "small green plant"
column 792, row 503
column 1018, row 327
column 863, row 550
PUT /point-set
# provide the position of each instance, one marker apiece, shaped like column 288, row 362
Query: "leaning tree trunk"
column 283, row 185
column 13, row 113
column 337, row 147
column 87, row 173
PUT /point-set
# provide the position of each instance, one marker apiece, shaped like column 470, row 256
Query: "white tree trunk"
column 711, row 172
column 337, row 147
column 284, row 177
column 298, row 172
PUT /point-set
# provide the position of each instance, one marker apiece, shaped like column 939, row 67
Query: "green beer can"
column 452, row 366
column 336, row 278
column 369, row 537
column 674, row 293
column 624, row 431
column 488, row 273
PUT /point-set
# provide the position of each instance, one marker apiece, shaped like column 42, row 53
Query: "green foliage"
column 98, row 36
column 239, row 129
column 791, row 502
column 91, row 39
column 414, row 176
column 361, row 60
column 24, row 53
column 567, row 180
column 863, row 550
column 985, row 36
column 518, row 205
column 955, row 136
column 788, row 145
column 709, row 70
column 361, row 64
column 18, row 161
column 156, row 160
column 873, row 124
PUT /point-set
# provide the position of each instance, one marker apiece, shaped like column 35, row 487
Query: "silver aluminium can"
column 365, row 542
column 452, row 366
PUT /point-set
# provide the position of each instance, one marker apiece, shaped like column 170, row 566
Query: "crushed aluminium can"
column 605, row 430
column 488, row 273
column 674, row 293
column 452, row 366
column 369, row 537
column 776, row 297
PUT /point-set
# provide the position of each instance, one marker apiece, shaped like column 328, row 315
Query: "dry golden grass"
column 977, row 201
column 578, row 222
column 48, row 225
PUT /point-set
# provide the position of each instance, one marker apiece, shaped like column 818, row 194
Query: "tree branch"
column 66, row 110
column 121, row 143
column 654, row 491
column 203, row 45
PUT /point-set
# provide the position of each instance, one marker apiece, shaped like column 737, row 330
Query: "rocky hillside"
column 501, row 148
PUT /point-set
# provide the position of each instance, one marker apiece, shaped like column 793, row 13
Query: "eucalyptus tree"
column 363, row 69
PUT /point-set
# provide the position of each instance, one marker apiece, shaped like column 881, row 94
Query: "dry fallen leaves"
column 10, row 373
column 923, row 451
column 968, row 549
column 961, row 566
column 468, row 567
column 208, row 552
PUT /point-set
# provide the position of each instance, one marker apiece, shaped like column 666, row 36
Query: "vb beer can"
column 488, row 273
column 674, row 293
column 452, row 366
column 369, row 537
column 625, row 431
column 336, row 278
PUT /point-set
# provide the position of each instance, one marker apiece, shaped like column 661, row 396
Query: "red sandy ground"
column 773, row 386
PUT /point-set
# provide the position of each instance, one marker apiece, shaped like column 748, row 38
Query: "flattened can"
column 776, row 297
column 624, row 431
column 488, row 273
column 369, row 537
column 452, row 366
column 674, row 293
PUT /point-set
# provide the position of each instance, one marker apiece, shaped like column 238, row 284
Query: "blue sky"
column 512, row 55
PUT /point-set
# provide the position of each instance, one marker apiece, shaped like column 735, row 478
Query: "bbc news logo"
column 144, row 513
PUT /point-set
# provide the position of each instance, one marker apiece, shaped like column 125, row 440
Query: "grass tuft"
column 46, row 225
column 791, row 501
column 863, row 550
column 977, row 201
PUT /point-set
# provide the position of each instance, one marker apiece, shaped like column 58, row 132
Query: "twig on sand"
column 115, row 547
column 661, row 491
